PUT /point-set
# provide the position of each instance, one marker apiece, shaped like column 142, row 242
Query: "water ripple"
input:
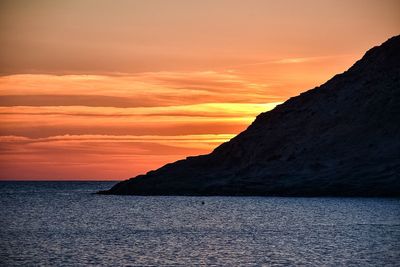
column 62, row 224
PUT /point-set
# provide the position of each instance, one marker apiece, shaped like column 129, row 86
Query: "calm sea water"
column 62, row 224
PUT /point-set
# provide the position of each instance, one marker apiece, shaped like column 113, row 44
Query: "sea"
column 65, row 224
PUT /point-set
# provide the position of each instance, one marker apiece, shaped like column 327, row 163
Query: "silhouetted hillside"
column 341, row 138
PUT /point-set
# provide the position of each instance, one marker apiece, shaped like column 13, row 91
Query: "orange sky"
column 107, row 90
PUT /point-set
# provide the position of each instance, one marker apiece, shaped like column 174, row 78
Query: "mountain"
column 339, row 139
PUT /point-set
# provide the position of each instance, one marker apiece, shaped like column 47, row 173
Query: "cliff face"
column 341, row 138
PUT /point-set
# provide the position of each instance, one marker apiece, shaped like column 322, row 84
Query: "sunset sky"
column 106, row 90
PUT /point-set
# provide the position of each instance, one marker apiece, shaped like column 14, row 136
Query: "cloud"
column 212, row 110
column 145, row 89
column 212, row 118
column 72, row 100
column 89, row 156
column 44, row 129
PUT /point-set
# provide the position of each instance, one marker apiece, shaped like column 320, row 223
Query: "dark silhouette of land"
column 339, row 139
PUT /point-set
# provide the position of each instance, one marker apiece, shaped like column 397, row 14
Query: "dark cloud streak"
column 74, row 100
column 42, row 131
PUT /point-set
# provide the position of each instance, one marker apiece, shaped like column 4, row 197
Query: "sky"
column 107, row 90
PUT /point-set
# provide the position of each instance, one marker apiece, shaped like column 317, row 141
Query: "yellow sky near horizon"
column 106, row 90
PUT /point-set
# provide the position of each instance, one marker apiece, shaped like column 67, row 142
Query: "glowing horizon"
column 91, row 90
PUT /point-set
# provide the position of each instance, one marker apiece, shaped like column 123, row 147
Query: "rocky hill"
column 339, row 139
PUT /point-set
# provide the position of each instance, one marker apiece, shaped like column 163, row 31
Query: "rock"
column 339, row 139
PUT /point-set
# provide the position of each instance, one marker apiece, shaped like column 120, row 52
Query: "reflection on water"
column 61, row 223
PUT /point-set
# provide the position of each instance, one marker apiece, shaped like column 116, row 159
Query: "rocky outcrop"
column 339, row 139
